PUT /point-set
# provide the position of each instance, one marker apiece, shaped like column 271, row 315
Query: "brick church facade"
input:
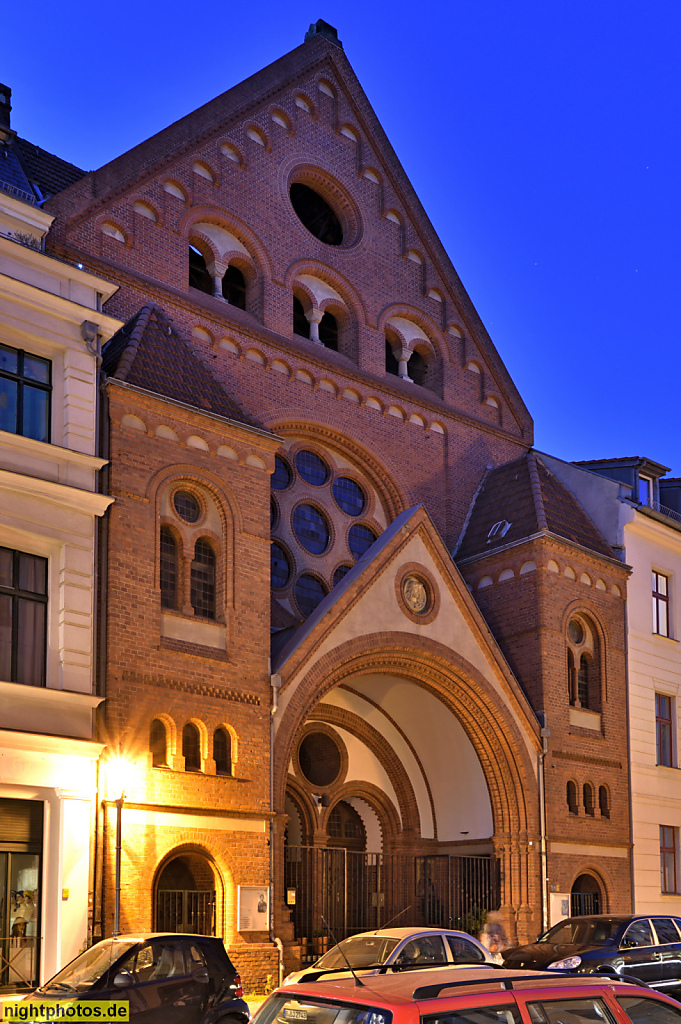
column 359, row 639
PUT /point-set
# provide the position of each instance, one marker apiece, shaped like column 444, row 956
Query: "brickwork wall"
column 150, row 675
column 529, row 614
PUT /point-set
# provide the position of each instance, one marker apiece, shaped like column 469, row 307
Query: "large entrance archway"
column 435, row 769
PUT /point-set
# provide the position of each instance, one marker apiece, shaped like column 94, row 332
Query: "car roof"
column 397, row 989
column 147, row 936
column 403, row 933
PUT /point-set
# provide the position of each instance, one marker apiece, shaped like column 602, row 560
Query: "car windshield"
column 89, row 967
column 583, row 932
column 284, row 1009
column 358, row 951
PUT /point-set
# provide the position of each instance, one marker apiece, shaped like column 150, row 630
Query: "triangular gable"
column 246, row 100
column 366, row 603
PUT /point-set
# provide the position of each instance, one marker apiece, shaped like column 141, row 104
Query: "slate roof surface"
column 526, row 494
column 31, row 174
column 49, row 172
column 150, row 353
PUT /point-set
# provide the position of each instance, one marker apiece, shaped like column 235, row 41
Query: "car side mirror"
column 201, row 975
column 123, row 980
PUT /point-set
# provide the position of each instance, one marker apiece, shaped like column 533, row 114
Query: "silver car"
column 391, row 949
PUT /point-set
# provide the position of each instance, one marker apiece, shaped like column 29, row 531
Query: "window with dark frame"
column 168, row 568
column 604, row 801
column 203, row 580
column 664, row 730
column 571, row 794
column 158, row 744
column 588, row 796
column 660, row 604
column 23, row 617
column 222, row 751
column 191, row 748
column 25, row 394
column 669, row 842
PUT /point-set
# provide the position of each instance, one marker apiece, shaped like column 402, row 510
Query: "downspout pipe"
column 275, row 683
column 545, row 733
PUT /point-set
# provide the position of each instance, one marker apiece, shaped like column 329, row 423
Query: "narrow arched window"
column 300, row 321
column 572, row 798
column 391, row 364
column 203, row 580
column 583, row 681
column 168, row 568
column 234, row 287
column 571, row 684
column 603, row 801
column 191, row 748
column 158, row 744
column 328, row 331
column 198, row 272
column 417, row 368
column 588, row 795
column 222, row 751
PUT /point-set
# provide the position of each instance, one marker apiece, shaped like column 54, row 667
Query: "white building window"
column 660, row 604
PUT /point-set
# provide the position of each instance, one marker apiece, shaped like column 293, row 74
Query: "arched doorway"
column 585, row 896
column 185, row 895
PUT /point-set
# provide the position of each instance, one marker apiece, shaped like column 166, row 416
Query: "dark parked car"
column 166, row 979
column 640, row 946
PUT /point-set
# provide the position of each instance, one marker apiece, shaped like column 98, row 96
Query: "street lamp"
column 118, row 776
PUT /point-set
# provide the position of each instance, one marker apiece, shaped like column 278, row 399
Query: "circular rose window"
column 319, row 759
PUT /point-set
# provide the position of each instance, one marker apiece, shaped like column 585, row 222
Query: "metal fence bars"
column 358, row 892
column 185, row 910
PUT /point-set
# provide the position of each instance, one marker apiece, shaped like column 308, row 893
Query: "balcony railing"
column 17, row 193
column 663, row 510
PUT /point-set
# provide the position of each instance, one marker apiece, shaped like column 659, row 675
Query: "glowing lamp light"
column 119, row 777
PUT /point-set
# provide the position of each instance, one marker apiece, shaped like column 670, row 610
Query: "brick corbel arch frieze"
column 501, row 749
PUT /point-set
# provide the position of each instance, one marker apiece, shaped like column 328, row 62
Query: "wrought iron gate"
column 185, row 910
column 357, row 892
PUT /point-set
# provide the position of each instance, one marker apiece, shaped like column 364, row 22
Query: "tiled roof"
column 150, row 353
column 13, row 178
column 49, row 172
column 526, row 494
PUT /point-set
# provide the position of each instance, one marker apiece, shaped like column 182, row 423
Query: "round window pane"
column 316, row 214
column 340, row 572
column 281, row 477
column 280, row 570
column 311, row 529
column 312, row 469
column 309, row 593
column 187, row 507
column 360, row 539
column 320, row 759
column 575, row 632
column 349, row 496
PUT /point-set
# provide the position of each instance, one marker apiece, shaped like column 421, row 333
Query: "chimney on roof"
column 322, row 28
column 5, row 105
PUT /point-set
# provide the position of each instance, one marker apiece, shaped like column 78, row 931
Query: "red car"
column 465, row 995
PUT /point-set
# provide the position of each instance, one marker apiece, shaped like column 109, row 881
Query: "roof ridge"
column 136, row 335
column 537, row 494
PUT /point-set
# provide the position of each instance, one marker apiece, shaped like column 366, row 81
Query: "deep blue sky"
column 542, row 136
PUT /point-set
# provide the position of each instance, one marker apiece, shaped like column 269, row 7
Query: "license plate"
column 291, row 1014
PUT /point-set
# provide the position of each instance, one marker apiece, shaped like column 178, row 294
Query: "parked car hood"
column 542, row 954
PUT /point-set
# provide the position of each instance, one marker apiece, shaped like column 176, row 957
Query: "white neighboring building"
column 49, row 507
column 640, row 515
